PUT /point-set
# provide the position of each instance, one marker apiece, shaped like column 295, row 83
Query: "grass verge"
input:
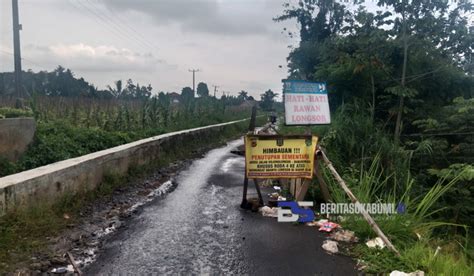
column 414, row 232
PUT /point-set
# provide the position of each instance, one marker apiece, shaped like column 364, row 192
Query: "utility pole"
column 194, row 80
column 215, row 90
column 16, row 48
column 225, row 93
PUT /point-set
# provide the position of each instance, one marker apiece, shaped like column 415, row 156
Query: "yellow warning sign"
column 280, row 156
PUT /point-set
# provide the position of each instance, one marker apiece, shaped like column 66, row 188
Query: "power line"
column 414, row 77
column 27, row 60
column 132, row 30
column 425, row 75
column 81, row 10
column 113, row 27
column 101, row 21
column 121, row 27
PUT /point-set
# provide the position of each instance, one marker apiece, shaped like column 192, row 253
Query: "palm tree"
column 243, row 95
column 117, row 91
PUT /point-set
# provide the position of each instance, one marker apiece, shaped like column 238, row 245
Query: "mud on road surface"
column 199, row 228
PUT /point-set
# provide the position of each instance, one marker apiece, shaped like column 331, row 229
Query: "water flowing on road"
column 199, row 228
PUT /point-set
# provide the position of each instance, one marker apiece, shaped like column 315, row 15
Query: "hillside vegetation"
column 401, row 88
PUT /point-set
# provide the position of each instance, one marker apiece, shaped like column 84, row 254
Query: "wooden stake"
column 302, row 189
column 322, row 184
column 364, row 213
column 73, row 263
column 244, row 203
column 257, row 187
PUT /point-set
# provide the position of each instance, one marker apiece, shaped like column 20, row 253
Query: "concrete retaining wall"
column 49, row 183
column 15, row 136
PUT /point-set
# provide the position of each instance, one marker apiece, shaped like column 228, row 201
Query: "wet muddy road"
column 199, row 228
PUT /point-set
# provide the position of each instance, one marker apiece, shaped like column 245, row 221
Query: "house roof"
column 174, row 95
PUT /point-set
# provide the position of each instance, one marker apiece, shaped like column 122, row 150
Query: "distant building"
column 174, row 97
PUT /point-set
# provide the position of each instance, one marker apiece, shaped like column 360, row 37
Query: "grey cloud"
column 206, row 16
column 103, row 59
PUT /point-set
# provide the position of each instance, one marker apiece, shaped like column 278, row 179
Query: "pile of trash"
column 344, row 236
column 375, row 243
column 269, row 211
column 336, row 233
column 330, row 246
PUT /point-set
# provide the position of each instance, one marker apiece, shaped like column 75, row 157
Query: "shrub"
column 6, row 112
column 59, row 140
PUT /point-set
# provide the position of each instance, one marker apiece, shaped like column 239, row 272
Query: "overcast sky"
column 234, row 43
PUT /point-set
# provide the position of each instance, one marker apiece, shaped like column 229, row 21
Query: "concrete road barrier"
column 51, row 182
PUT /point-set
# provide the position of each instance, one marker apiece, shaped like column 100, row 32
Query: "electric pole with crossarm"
column 194, row 80
column 215, row 90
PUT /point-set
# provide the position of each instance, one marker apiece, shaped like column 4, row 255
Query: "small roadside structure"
column 16, row 133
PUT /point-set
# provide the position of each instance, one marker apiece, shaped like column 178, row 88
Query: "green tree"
column 202, row 90
column 117, row 90
column 187, row 93
column 187, row 96
column 425, row 28
column 318, row 20
column 243, row 95
column 390, row 70
column 267, row 100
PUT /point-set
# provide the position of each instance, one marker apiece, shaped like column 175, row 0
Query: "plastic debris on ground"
column 401, row 273
column 318, row 223
column 269, row 212
column 273, row 200
column 277, row 197
column 274, row 195
column 278, row 188
column 361, row 264
column 375, row 243
column 330, row 246
column 328, row 227
column 344, row 236
column 59, row 270
column 312, row 223
column 321, row 222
